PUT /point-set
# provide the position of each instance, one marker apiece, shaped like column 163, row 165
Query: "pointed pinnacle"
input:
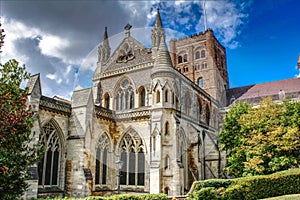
column 158, row 22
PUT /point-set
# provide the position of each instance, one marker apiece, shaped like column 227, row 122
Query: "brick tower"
column 202, row 59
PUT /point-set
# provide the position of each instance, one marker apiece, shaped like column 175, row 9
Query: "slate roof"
column 254, row 93
column 32, row 81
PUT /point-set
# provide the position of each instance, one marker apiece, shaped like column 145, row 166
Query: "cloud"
column 52, row 45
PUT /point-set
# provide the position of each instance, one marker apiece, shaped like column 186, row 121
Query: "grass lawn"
column 285, row 197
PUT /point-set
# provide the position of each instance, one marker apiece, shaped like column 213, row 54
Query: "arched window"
column 179, row 59
column 185, row 58
column 166, row 95
column 133, row 158
column 101, row 173
column 49, row 167
column 106, row 100
column 197, row 55
column 157, row 96
column 142, row 97
column 167, row 128
column 200, row 82
column 131, row 100
column 125, row 96
column 204, row 65
column 203, row 54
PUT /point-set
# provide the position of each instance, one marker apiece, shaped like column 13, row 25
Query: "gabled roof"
column 140, row 53
column 254, row 93
column 34, row 85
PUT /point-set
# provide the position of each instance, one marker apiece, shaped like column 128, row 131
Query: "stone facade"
column 146, row 109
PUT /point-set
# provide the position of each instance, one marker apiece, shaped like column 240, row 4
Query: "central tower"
column 202, row 59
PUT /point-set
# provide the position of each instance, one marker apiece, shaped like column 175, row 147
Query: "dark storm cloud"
column 82, row 22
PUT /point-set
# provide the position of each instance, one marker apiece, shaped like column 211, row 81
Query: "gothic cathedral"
column 149, row 123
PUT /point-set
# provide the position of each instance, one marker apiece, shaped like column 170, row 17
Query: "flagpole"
column 204, row 14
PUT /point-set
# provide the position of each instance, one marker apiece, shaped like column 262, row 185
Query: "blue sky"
column 269, row 44
column 59, row 39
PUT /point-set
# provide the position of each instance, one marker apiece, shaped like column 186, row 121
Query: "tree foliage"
column 17, row 152
column 261, row 140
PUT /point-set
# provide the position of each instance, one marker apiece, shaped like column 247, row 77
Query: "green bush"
column 254, row 187
column 120, row 197
column 216, row 183
column 207, row 193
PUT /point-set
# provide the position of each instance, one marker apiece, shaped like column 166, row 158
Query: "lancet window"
column 102, row 158
column 49, row 166
column 142, row 97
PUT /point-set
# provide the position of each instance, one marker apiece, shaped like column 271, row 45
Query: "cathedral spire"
column 104, row 48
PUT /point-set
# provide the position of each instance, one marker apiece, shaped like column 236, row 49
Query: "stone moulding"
column 55, row 106
column 113, row 116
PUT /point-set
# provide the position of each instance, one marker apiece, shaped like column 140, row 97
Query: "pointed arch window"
column 106, row 100
column 157, row 96
column 133, row 158
column 49, row 166
column 102, row 149
column 142, row 97
column 166, row 95
column 167, row 128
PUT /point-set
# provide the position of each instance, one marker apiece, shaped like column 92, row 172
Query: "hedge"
column 254, row 187
column 119, row 197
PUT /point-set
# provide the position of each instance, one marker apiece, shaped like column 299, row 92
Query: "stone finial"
column 127, row 29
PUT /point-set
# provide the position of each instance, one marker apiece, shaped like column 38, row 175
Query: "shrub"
column 254, row 187
column 207, row 193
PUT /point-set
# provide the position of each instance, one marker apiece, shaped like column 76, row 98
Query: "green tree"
column 263, row 140
column 231, row 136
column 17, row 152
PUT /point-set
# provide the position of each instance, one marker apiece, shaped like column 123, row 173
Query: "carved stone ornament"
column 126, row 54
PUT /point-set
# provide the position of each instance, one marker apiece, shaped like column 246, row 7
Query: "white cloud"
column 49, row 45
column 55, row 78
column 52, row 45
column 51, row 76
column 15, row 30
column 224, row 17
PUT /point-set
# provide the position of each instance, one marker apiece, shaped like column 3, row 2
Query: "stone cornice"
column 55, row 106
